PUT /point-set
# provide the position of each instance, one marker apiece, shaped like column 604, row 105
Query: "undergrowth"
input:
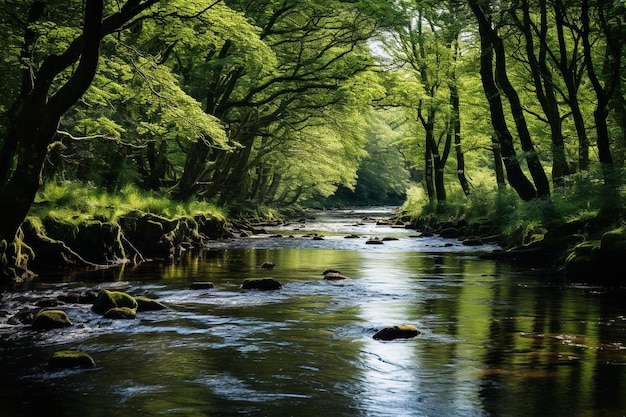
column 77, row 201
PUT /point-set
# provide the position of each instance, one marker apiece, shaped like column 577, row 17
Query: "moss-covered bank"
column 51, row 242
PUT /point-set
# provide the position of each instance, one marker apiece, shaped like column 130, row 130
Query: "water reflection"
column 495, row 341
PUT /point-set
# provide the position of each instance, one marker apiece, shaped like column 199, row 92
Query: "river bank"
column 576, row 252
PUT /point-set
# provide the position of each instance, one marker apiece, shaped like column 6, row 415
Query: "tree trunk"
column 34, row 119
column 429, row 180
column 544, row 89
column 603, row 93
column 497, row 162
column 532, row 159
column 515, row 175
column 456, row 125
column 194, row 171
column 567, row 63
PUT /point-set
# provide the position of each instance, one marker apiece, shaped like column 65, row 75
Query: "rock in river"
column 401, row 331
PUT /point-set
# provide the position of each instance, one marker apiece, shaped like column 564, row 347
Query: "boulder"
column 107, row 300
column 148, row 304
column 51, row 319
column 261, row 284
column 65, row 359
column 401, row 331
column 121, row 313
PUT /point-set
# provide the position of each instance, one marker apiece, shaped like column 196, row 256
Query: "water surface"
column 496, row 340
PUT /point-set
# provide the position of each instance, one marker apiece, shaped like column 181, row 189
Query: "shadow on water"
column 495, row 340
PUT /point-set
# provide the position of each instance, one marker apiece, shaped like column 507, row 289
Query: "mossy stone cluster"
column 106, row 300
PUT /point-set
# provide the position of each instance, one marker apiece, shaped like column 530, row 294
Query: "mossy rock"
column 121, row 313
column 65, row 359
column 51, row 319
column 261, row 284
column 613, row 245
column 401, row 331
column 107, row 300
column 148, row 304
column 99, row 242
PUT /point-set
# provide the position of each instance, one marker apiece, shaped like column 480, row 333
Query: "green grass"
column 581, row 199
column 79, row 201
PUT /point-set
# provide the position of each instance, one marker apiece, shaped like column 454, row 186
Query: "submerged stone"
column 334, row 276
column 261, row 284
column 201, row 285
column 401, row 331
column 64, row 359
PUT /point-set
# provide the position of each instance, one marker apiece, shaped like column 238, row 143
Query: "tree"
column 493, row 82
column 425, row 46
column 544, row 83
column 58, row 60
column 611, row 28
column 316, row 50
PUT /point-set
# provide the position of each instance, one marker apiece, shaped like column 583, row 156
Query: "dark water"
column 496, row 340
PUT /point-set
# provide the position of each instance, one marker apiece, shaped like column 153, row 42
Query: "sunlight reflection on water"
column 491, row 336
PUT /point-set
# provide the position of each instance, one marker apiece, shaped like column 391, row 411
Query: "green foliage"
column 76, row 201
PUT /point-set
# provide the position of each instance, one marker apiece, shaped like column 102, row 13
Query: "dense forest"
column 512, row 110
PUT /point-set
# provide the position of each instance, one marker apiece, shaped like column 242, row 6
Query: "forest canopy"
column 300, row 102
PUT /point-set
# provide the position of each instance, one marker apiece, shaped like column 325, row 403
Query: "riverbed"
column 495, row 339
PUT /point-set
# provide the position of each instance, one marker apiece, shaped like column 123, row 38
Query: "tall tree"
column 518, row 180
column 58, row 60
column 316, row 50
column 536, row 55
column 605, row 82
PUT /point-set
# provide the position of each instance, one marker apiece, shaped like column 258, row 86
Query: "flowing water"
column 495, row 340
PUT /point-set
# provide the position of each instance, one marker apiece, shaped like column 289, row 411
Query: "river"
column 496, row 339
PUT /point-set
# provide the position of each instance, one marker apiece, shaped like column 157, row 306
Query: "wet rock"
column 148, row 304
column 261, row 284
column 401, row 331
column 49, row 302
column 51, row 319
column 65, row 359
column 121, row 313
column 374, row 241
column 267, row 265
column 472, row 241
column 85, row 297
column 389, row 239
column 334, row 276
column 450, row 233
column 201, row 285
column 107, row 300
